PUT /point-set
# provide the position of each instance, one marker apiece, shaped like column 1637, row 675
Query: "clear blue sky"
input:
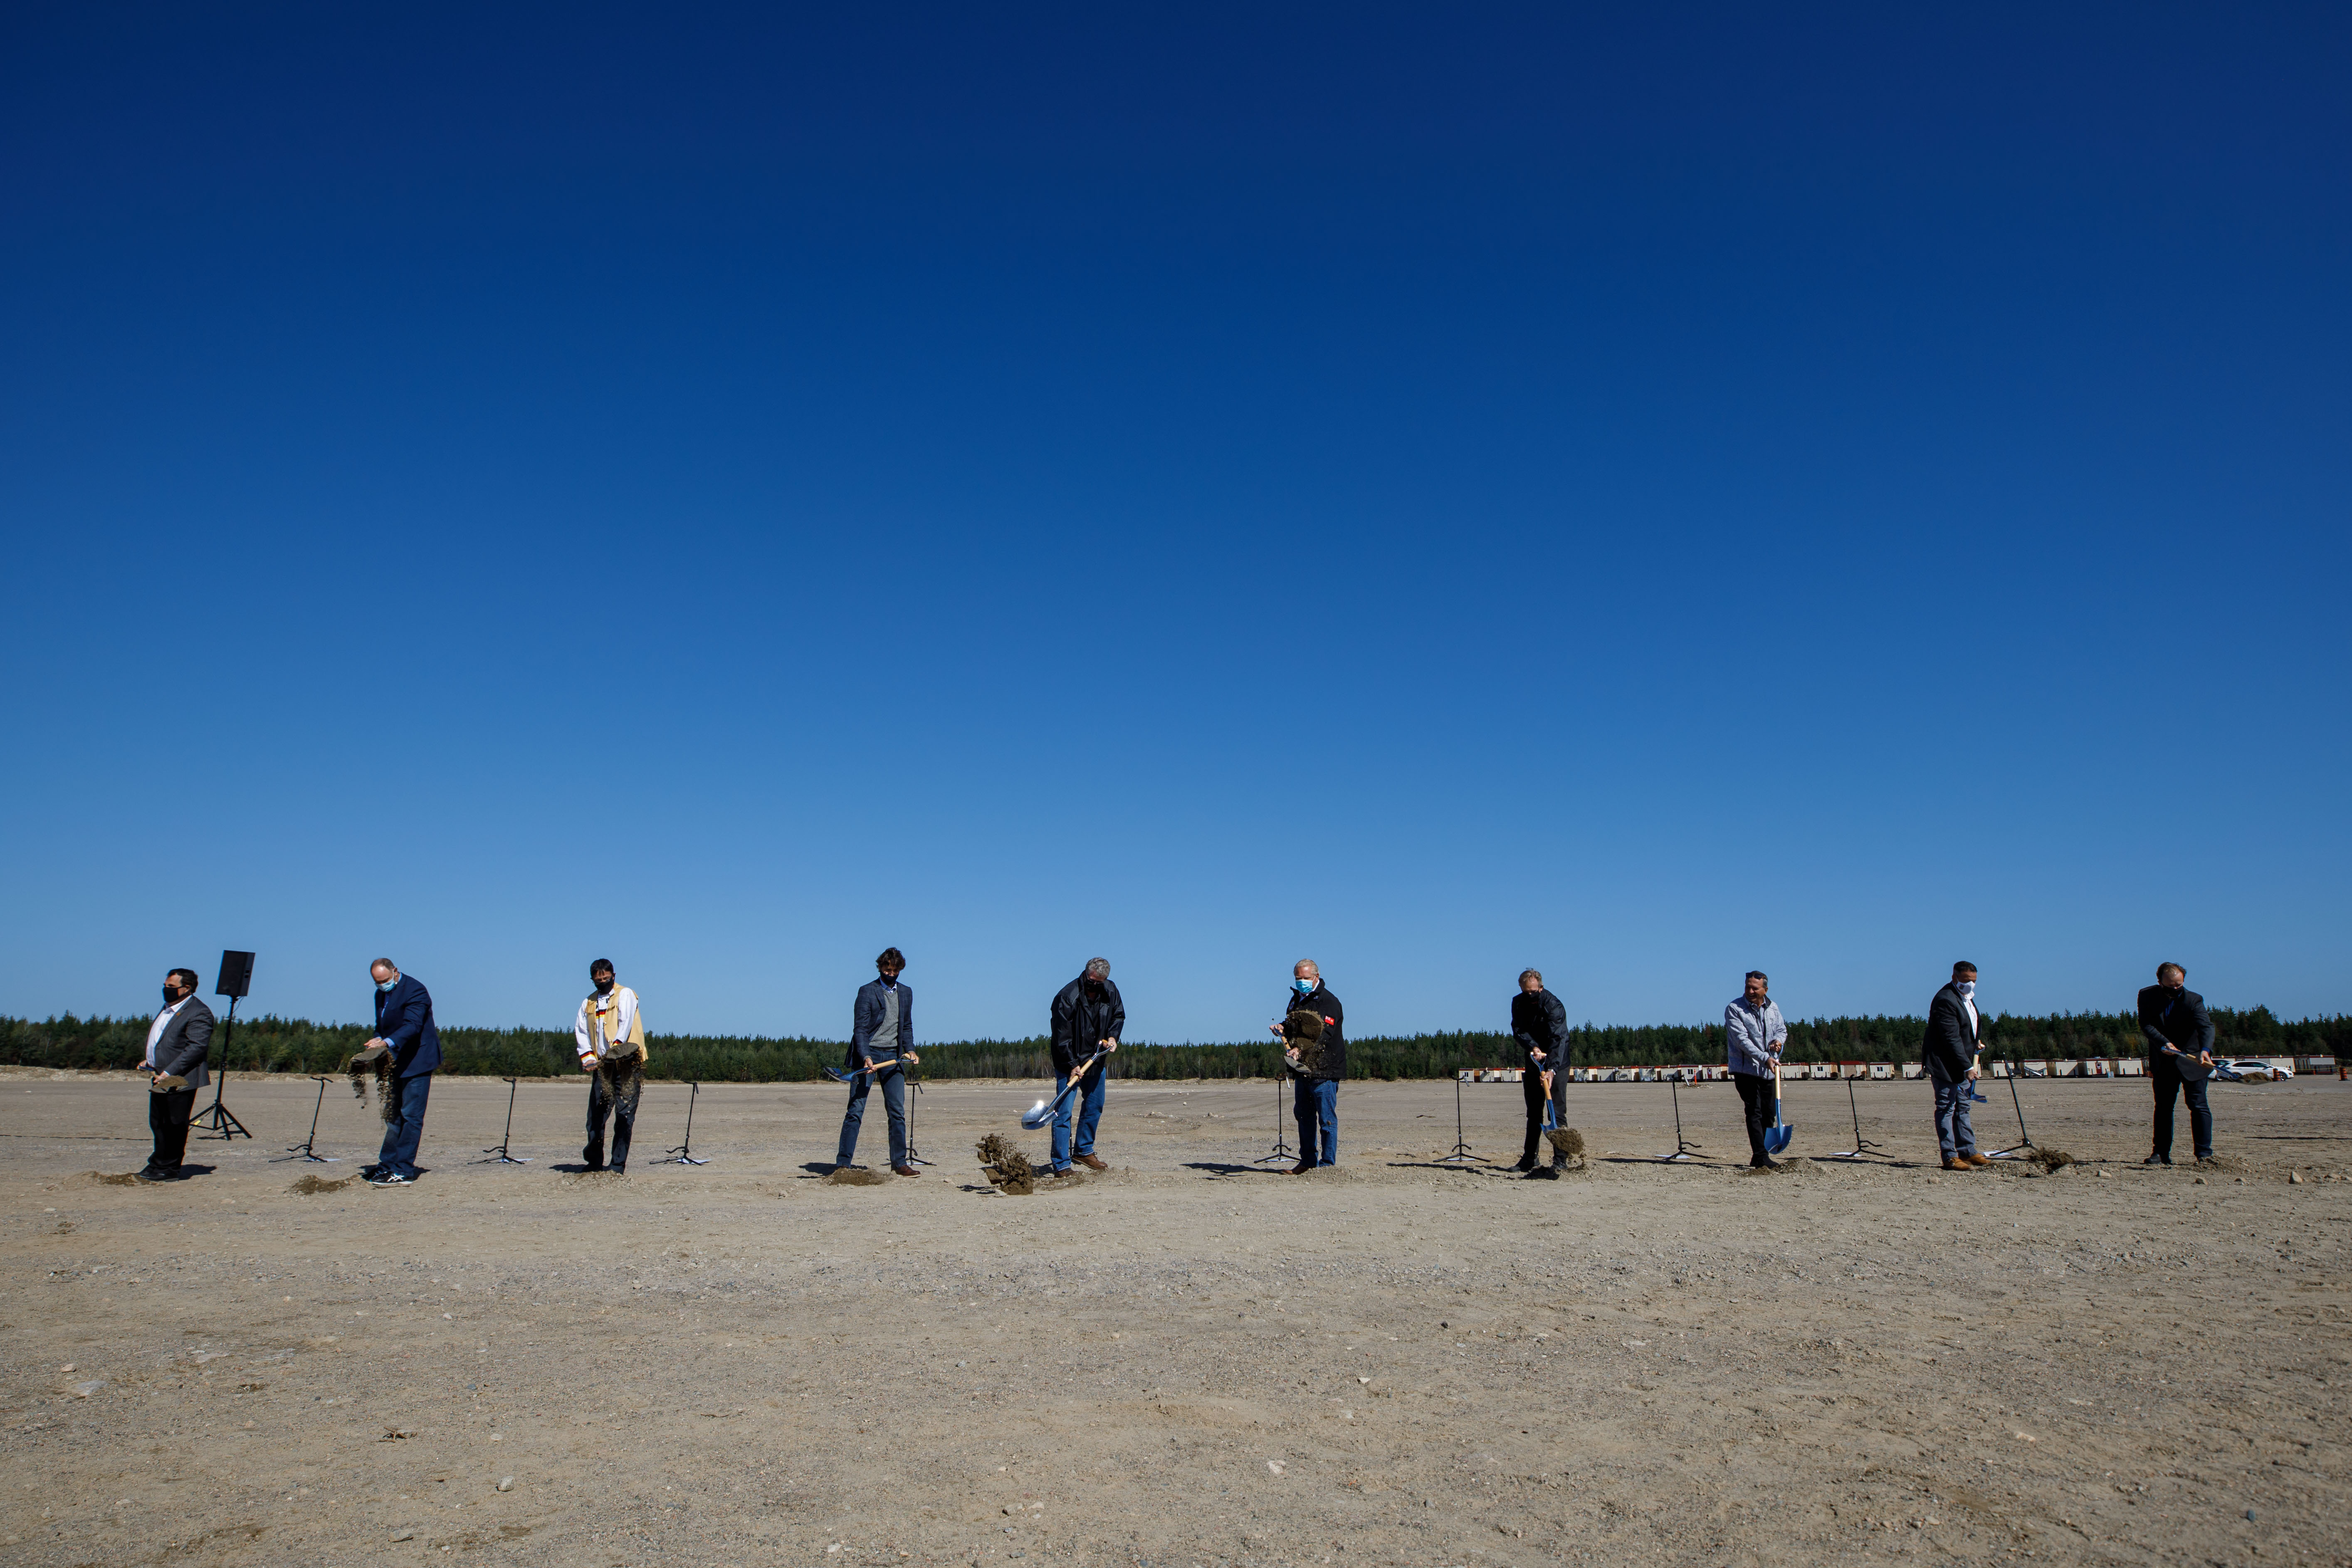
column 1642, row 491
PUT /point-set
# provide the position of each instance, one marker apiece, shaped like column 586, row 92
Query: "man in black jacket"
column 1948, row 1051
column 1540, row 1025
column 1315, row 1091
column 177, row 1043
column 1086, row 1019
column 2180, row 1035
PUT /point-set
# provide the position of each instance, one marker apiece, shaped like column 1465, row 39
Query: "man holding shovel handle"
column 1086, row 1020
column 1753, row 1034
column 881, row 1041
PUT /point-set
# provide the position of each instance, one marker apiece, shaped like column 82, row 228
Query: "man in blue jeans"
column 1086, row 1023
column 881, row 1048
column 1948, row 1051
column 1315, row 1094
column 403, row 1025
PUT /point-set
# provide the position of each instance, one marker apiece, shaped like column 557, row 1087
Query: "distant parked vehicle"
column 2028, row 1070
column 2251, row 1069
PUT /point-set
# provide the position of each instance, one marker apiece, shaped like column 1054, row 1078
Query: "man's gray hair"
column 385, row 963
column 1306, row 964
column 1099, row 969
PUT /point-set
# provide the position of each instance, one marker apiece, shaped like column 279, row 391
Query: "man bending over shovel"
column 1088, row 1018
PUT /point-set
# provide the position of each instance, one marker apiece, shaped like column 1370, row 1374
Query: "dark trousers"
column 894, row 1100
column 402, row 1134
column 1756, row 1103
column 2170, row 1085
column 1531, row 1086
column 613, row 1090
column 1316, row 1103
column 167, row 1118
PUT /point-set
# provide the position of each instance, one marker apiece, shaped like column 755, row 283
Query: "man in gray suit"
column 177, row 1043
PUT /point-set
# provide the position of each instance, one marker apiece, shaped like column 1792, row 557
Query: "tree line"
column 271, row 1043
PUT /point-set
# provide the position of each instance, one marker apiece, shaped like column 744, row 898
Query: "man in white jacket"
column 610, row 1035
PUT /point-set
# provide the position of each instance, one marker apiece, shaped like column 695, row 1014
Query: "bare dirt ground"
column 1190, row 1361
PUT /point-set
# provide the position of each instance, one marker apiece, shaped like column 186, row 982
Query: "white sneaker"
column 389, row 1179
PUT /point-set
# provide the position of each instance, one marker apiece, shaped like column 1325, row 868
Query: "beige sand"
column 1190, row 1361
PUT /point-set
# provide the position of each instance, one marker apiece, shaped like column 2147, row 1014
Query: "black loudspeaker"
column 235, row 975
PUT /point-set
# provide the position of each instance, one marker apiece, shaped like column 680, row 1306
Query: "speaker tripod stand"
column 220, row 1122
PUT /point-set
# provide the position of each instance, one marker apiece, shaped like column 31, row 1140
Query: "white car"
column 2251, row 1069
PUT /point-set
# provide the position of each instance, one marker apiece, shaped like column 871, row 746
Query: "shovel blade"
column 1776, row 1138
column 1036, row 1116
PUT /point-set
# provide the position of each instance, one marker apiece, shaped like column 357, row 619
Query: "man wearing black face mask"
column 2180, row 1035
column 177, row 1043
column 610, row 1035
column 1086, row 1023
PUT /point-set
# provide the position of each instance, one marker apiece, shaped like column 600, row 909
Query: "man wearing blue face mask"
column 403, row 1026
column 1949, row 1052
column 1314, row 1095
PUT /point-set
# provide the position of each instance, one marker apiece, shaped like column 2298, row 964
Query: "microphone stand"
column 684, row 1153
column 499, row 1155
column 302, row 1151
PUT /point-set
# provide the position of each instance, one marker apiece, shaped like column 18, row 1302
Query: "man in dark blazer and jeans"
column 1949, row 1052
column 881, row 1047
column 177, row 1043
column 2180, row 1035
column 403, row 1025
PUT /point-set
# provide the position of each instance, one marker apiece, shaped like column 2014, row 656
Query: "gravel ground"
column 1192, row 1360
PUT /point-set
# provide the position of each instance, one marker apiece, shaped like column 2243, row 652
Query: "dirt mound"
column 310, row 1186
column 2228, row 1164
column 100, row 1179
column 1007, row 1168
column 2051, row 1159
column 850, row 1176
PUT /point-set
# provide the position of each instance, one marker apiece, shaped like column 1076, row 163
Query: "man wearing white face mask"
column 403, row 1026
column 1949, row 1052
column 1314, row 1091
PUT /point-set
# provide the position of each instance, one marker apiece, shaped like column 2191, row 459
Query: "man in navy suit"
column 403, row 1025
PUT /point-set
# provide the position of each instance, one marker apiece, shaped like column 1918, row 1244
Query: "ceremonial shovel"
column 1039, row 1114
column 1777, row 1136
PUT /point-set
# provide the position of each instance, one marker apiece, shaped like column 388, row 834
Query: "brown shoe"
column 1301, row 1168
column 1978, row 1161
column 1958, row 1165
column 906, row 1170
column 1091, row 1163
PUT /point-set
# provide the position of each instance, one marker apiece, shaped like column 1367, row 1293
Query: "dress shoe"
column 1763, row 1162
column 1523, row 1166
column 1958, row 1165
column 1978, row 1161
column 153, row 1175
column 1301, row 1168
column 906, row 1170
column 2157, row 1160
column 1091, row 1163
